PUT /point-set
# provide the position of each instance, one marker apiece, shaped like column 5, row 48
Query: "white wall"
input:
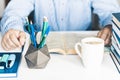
column 2, row 5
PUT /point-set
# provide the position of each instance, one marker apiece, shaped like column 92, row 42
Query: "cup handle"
column 77, row 50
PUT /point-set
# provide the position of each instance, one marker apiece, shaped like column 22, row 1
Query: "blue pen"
column 33, row 35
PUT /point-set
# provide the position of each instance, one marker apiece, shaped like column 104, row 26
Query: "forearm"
column 104, row 10
column 11, row 22
column 14, row 15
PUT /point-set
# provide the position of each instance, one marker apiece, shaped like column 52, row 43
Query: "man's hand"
column 106, row 34
column 13, row 39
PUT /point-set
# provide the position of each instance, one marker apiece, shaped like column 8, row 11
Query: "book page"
column 64, row 42
column 55, row 42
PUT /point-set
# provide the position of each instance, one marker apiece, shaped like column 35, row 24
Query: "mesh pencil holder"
column 37, row 58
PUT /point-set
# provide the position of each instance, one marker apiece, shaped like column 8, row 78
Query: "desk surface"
column 67, row 67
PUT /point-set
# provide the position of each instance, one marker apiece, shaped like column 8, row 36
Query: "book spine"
column 115, row 62
column 115, row 49
column 118, row 26
column 115, row 41
column 116, row 30
column 116, row 19
column 114, row 52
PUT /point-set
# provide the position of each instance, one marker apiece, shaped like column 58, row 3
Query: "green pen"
column 43, row 41
column 45, row 25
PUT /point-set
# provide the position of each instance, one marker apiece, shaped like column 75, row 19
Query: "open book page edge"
column 66, row 41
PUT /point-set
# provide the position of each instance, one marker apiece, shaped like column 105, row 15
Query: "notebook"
column 9, row 62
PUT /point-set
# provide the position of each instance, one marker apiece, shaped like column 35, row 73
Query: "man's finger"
column 15, row 40
column 99, row 34
column 5, row 41
column 10, row 43
column 4, row 46
column 104, row 36
column 22, row 38
column 108, row 39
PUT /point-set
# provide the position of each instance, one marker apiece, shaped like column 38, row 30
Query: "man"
column 63, row 15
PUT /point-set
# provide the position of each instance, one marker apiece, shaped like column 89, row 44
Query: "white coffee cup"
column 91, row 51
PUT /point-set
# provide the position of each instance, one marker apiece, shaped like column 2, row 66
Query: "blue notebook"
column 9, row 64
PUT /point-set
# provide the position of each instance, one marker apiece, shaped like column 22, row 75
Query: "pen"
column 27, row 25
column 33, row 39
column 42, row 43
column 29, row 28
column 44, row 27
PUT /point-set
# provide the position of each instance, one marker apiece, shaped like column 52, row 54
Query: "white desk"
column 67, row 67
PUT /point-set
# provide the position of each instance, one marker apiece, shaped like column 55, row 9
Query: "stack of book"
column 115, row 47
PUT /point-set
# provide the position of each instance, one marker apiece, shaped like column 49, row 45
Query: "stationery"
column 43, row 40
column 37, row 55
column 30, row 28
column 33, row 35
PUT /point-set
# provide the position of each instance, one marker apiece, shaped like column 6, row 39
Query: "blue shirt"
column 71, row 15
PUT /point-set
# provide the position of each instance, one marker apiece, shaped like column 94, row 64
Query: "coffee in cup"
column 91, row 53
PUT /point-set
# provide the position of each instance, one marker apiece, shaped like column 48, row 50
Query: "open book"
column 64, row 42
column 9, row 61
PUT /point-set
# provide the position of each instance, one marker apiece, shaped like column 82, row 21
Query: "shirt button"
column 62, row 3
column 61, row 19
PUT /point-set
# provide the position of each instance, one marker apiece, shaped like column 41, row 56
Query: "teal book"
column 9, row 66
column 9, row 62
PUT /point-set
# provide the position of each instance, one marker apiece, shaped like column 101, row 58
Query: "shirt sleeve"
column 15, row 13
column 104, row 10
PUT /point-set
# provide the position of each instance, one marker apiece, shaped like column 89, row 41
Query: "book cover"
column 116, row 18
column 11, row 71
